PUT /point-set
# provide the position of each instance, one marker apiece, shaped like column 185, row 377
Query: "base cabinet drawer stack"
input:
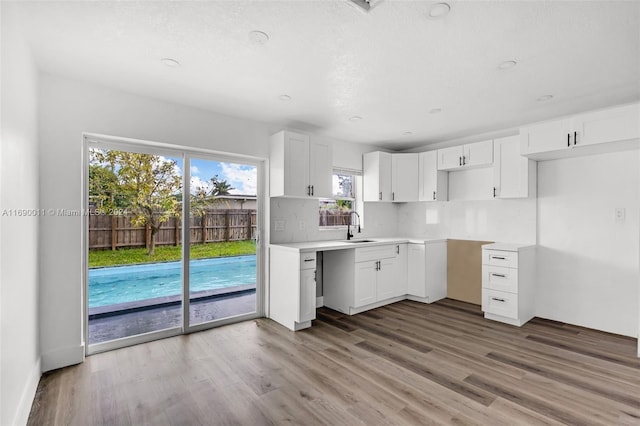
column 507, row 282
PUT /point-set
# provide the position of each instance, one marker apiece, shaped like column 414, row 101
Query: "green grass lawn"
column 127, row 256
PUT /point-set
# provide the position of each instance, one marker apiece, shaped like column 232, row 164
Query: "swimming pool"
column 122, row 284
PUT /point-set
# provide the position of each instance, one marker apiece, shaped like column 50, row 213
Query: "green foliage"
column 145, row 184
column 203, row 197
column 130, row 256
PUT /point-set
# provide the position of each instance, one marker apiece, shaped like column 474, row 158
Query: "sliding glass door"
column 171, row 242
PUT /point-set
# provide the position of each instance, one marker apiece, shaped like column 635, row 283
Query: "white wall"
column 587, row 262
column 19, row 350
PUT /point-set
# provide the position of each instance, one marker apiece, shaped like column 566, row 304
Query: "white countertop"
column 508, row 246
column 344, row 244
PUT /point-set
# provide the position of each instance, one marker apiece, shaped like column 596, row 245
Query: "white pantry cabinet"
column 364, row 278
column 427, row 271
column 508, row 279
column 404, row 177
column 299, row 166
column 292, row 293
column 432, row 183
column 465, row 156
column 514, row 176
column 593, row 132
column 376, row 174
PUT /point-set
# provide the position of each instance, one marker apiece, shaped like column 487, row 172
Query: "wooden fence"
column 334, row 218
column 111, row 232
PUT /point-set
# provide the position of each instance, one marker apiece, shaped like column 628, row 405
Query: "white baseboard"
column 28, row 394
column 319, row 302
column 62, row 357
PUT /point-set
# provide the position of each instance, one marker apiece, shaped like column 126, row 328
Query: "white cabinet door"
column 365, row 283
column 307, row 307
column 478, row 154
column 376, row 172
column 512, row 173
column 548, row 136
column 610, row 125
column 404, row 177
column 320, row 169
column 450, row 158
column 296, row 165
column 387, row 279
column 416, row 285
column 432, row 183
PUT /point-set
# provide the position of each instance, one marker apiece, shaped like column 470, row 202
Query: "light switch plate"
column 279, row 225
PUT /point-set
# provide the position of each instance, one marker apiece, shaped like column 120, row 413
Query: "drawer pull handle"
column 497, row 299
column 309, row 260
column 499, row 275
column 499, row 257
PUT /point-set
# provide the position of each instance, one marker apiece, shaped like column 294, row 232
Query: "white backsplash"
column 299, row 218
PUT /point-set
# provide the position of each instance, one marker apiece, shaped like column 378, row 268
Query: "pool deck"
column 162, row 317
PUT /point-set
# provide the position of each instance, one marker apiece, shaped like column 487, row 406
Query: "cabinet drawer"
column 364, row 254
column 308, row 260
column 500, row 303
column 508, row 259
column 500, row 278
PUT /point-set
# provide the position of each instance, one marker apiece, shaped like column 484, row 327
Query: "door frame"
column 90, row 140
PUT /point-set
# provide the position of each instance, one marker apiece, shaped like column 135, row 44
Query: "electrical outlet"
column 619, row 214
column 302, row 224
column 279, row 225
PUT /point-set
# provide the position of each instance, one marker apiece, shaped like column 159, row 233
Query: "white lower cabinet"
column 508, row 276
column 292, row 293
column 364, row 278
column 427, row 271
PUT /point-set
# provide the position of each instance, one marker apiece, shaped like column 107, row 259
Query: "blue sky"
column 243, row 178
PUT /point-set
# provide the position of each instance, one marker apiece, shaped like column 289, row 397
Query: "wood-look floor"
column 406, row 363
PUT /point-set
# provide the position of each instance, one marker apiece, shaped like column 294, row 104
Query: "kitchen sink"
column 359, row 241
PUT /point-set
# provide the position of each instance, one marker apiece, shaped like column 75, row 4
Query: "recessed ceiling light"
column 284, row 97
column 170, row 62
column 355, row 118
column 435, row 111
column 439, row 10
column 507, row 65
column 545, row 98
column 258, row 37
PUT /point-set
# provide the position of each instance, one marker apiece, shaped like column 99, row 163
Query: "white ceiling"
column 390, row 66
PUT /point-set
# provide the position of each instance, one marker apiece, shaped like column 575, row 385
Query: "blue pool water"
column 121, row 284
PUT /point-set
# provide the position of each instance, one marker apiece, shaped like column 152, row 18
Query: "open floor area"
column 404, row 363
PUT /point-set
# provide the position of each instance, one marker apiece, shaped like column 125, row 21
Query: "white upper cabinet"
column 514, row 176
column 432, row 183
column 594, row 132
column 299, row 166
column 376, row 173
column 476, row 154
column 404, row 177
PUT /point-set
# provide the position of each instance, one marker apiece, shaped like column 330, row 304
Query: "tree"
column 147, row 186
column 203, row 196
column 220, row 187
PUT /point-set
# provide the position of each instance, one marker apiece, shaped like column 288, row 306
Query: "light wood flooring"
column 405, row 363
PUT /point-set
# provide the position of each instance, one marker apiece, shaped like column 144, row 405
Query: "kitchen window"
column 338, row 211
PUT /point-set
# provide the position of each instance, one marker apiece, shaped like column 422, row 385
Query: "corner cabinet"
column 514, row 176
column 299, row 166
column 433, row 184
column 466, row 156
column 365, row 278
column 376, row 175
column 508, row 279
column 292, row 293
column 606, row 130
column 404, row 177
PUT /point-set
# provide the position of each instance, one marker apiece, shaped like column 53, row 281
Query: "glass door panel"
column 222, row 231
column 134, row 262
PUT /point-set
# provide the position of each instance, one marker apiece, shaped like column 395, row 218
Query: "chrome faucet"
column 349, row 234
